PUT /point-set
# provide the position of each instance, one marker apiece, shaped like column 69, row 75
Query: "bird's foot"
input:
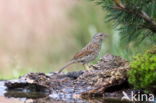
column 87, row 67
column 94, row 67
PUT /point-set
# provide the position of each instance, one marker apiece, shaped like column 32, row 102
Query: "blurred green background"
column 41, row 36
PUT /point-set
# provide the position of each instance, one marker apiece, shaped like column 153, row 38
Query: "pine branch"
column 135, row 19
column 150, row 23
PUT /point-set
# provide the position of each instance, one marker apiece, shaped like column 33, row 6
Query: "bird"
column 88, row 53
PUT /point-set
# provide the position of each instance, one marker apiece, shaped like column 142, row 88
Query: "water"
column 26, row 96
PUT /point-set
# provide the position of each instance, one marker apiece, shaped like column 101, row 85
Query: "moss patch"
column 143, row 70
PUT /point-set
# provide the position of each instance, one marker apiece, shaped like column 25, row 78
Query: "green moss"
column 143, row 70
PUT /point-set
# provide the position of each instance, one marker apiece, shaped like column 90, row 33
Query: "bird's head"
column 99, row 36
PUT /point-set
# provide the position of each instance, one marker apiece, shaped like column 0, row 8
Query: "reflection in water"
column 50, row 100
column 22, row 96
column 19, row 97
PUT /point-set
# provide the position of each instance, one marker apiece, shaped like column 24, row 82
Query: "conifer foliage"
column 135, row 19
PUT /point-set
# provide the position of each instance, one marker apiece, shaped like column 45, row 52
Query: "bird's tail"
column 65, row 66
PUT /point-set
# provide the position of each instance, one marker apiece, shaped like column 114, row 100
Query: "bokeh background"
column 42, row 35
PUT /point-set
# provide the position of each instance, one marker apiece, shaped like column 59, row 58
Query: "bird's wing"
column 89, row 49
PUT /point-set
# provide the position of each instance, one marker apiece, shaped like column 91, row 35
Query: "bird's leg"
column 86, row 66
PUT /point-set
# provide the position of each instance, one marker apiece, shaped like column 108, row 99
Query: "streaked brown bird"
column 88, row 53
